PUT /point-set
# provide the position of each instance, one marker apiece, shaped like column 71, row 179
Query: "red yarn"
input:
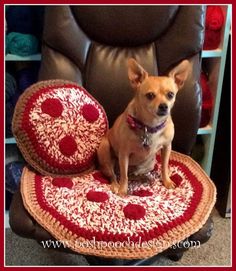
column 142, row 193
column 207, row 101
column 97, row 196
column 98, row 176
column 62, row 182
column 214, row 23
column 90, row 112
column 52, row 107
column 134, row 211
column 212, row 39
column 214, row 18
column 68, row 145
column 177, row 179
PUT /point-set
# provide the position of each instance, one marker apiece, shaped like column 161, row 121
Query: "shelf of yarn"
column 11, row 57
column 217, row 31
column 18, row 77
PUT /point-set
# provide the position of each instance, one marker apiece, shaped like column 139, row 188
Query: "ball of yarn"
column 214, row 23
column 27, row 77
column 15, row 98
column 13, row 172
column 212, row 39
column 21, row 44
column 214, row 18
column 207, row 101
column 8, row 118
column 10, row 86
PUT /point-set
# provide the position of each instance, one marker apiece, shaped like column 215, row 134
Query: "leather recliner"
column 91, row 44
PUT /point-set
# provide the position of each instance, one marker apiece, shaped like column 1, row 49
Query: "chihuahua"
column 144, row 128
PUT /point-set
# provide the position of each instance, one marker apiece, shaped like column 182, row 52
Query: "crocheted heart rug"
column 87, row 217
column 58, row 127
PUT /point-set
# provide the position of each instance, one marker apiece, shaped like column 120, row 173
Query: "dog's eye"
column 150, row 95
column 170, row 95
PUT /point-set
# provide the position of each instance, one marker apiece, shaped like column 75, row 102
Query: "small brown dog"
column 143, row 128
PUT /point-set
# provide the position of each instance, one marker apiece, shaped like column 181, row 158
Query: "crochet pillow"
column 87, row 217
column 58, row 126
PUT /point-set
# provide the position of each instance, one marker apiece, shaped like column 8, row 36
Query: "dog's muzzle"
column 162, row 109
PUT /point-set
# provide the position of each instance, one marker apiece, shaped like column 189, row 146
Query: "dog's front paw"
column 169, row 184
column 115, row 187
column 123, row 190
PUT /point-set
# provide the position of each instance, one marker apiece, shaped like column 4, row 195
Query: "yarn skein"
column 20, row 19
column 26, row 77
column 214, row 24
column 10, row 86
column 21, row 44
column 207, row 100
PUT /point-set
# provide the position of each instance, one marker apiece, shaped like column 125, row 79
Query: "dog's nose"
column 162, row 109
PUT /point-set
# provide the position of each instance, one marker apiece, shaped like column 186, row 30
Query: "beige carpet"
column 217, row 251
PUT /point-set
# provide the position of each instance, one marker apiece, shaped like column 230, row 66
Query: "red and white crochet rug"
column 84, row 214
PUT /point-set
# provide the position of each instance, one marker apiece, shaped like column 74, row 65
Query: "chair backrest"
column 91, row 44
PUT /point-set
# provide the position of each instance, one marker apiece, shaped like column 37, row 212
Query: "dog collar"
column 137, row 124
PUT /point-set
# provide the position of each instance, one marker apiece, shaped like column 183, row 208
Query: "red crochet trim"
column 146, row 235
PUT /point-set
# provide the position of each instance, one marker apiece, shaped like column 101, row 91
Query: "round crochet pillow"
column 58, row 126
column 83, row 213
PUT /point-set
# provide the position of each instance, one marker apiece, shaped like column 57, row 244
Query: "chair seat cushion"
column 87, row 217
column 58, row 126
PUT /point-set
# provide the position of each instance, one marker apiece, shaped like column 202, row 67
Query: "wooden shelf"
column 10, row 57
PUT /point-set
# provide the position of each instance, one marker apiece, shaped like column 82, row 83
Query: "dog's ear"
column 136, row 73
column 180, row 73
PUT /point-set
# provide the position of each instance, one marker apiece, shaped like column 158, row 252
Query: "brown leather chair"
column 91, row 44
